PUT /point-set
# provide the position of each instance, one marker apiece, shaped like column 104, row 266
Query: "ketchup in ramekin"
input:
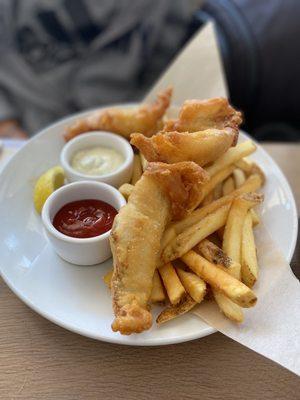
column 85, row 218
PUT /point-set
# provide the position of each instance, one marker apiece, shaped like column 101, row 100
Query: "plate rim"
column 119, row 339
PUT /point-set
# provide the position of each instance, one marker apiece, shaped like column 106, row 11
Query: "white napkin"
column 272, row 327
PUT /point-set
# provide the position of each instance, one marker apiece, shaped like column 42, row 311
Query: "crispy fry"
column 144, row 162
column 232, row 238
column 249, row 258
column 255, row 217
column 216, row 255
column 257, row 170
column 253, row 183
column 215, row 180
column 228, row 186
column 169, row 235
column 137, row 169
column 231, row 156
column 208, row 199
column 195, row 286
column 158, row 293
column 187, row 239
column 174, row 287
column 107, row 278
column 228, row 307
column 218, row 191
column 239, row 177
column 186, row 304
column 245, row 164
column 126, row 190
column 238, row 292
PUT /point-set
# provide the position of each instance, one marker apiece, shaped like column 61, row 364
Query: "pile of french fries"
column 211, row 253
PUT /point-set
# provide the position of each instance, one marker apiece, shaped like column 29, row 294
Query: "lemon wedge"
column 46, row 185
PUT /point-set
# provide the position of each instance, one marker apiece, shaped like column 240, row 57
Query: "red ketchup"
column 85, row 218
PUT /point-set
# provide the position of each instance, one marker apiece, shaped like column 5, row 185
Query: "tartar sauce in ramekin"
column 97, row 160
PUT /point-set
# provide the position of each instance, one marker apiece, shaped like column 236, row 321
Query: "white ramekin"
column 98, row 138
column 86, row 251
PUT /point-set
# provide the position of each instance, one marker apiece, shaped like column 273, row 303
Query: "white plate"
column 76, row 297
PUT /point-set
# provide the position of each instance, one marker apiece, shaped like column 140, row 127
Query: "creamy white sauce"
column 97, row 160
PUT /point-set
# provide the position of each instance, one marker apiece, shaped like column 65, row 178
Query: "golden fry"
column 158, row 293
column 107, row 278
column 237, row 291
column 255, row 217
column 208, row 199
column 173, row 286
column 228, row 186
column 249, row 258
column 232, row 238
column 245, row 164
column 195, row 286
column 137, row 169
column 239, row 177
column 187, row 239
column 216, row 255
column 215, row 180
column 144, row 162
column 186, row 304
column 231, row 156
column 218, row 191
column 126, row 190
column 253, row 183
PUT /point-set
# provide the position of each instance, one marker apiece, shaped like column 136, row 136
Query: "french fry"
column 231, row 156
column 169, row 235
column 215, row 255
column 232, row 238
column 172, row 284
column 208, row 199
column 187, row 239
column 137, row 169
column 235, row 290
column 253, row 183
column 144, row 162
column 169, row 313
column 249, row 258
column 219, row 177
column 126, row 190
column 257, row 170
column 255, row 217
column 228, row 186
column 218, row 192
column 239, row 177
column 228, row 307
column 245, row 164
column 107, row 278
column 158, row 293
column 195, row 286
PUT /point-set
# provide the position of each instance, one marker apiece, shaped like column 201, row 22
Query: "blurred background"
column 62, row 56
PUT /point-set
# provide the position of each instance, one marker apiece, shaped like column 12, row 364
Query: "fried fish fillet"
column 146, row 119
column 164, row 192
column 172, row 147
column 198, row 115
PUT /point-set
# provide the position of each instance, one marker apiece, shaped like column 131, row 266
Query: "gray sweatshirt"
column 61, row 56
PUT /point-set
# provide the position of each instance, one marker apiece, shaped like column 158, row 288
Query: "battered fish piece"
column 164, row 192
column 198, row 115
column 171, row 147
column 146, row 119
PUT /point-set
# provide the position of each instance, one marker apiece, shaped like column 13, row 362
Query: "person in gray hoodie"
column 62, row 56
